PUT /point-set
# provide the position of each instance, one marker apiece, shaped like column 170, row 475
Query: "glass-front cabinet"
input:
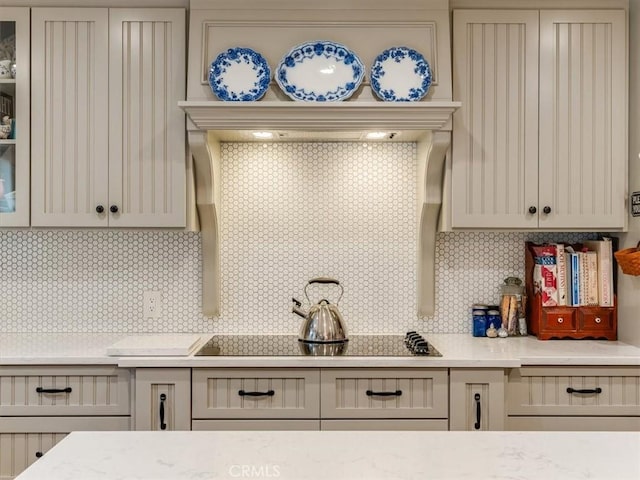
column 14, row 117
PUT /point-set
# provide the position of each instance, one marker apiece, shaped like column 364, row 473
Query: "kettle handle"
column 324, row 280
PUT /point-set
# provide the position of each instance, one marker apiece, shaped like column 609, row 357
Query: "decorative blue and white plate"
column 320, row 71
column 400, row 74
column 239, row 75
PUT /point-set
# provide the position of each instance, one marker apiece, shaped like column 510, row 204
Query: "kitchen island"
column 340, row 455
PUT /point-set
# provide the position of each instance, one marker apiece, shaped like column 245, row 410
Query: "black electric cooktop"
column 289, row 345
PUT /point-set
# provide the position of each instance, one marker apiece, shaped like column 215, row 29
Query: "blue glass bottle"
column 479, row 323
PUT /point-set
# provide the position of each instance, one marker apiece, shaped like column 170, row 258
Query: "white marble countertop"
column 340, row 456
column 458, row 350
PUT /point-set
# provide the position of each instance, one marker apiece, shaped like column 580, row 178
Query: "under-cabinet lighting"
column 376, row 135
column 262, row 135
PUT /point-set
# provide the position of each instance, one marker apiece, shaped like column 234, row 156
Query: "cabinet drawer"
column 24, row 440
column 210, row 425
column 384, row 393
column 561, row 320
column 259, row 393
column 574, row 391
column 94, row 390
column 397, row 424
column 574, row 424
column 595, row 319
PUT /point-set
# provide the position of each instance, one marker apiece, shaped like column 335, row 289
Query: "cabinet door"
column 70, row 116
column 163, row 399
column 583, row 132
column 25, row 439
column 146, row 127
column 14, row 117
column 477, row 399
column 495, row 131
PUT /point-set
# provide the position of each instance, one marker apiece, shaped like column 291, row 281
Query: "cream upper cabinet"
column 14, row 117
column 583, row 120
column 539, row 141
column 107, row 135
column 495, row 131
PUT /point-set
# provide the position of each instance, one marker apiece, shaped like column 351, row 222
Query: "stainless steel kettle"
column 323, row 322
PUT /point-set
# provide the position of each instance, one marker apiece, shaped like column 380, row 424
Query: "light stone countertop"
column 458, row 350
column 370, row 455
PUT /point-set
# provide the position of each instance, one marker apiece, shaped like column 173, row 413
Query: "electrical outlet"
column 152, row 302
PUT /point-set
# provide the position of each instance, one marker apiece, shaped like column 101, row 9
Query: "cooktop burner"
column 409, row 345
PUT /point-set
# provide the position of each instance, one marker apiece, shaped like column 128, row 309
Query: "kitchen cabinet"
column 384, row 399
column 40, row 405
column 288, row 393
column 163, row 399
column 384, row 394
column 14, row 116
column 107, row 135
column 326, row 399
column 477, row 399
column 573, row 398
column 540, row 139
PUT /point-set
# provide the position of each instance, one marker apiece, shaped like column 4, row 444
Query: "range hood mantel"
column 272, row 27
column 334, row 116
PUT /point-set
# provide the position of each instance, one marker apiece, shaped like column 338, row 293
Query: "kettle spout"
column 298, row 311
column 296, row 308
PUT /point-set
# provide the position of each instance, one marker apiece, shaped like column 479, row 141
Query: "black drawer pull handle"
column 163, row 397
column 371, row 393
column 586, row 390
column 39, row 454
column 268, row 393
column 53, row 390
column 478, row 412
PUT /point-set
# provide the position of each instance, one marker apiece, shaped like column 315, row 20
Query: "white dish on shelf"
column 320, row 71
column 239, row 75
column 400, row 74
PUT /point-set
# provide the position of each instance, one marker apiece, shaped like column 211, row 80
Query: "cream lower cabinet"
column 384, row 399
column 163, row 399
column 256, row 399
column 313, row 399
column 477, row 399
column 39, row 405
column 573, row 398
column 540, row 139
column 107, row 136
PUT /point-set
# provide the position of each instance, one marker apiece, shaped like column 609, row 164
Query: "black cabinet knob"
column 532, row 210
column 39, row 454
column 100, row 209
column 113, row 209
column 547, row 210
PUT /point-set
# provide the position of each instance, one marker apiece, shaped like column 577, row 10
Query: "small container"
column 512, row 304
column 494, row 319
column 479, row 323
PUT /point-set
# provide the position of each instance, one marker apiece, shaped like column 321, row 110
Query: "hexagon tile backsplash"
column 290, row 211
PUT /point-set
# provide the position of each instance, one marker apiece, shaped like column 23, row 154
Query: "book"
column 567, row 263
column 604, row 252
column 575, row 279
column 591, row 278
column 561, row 273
